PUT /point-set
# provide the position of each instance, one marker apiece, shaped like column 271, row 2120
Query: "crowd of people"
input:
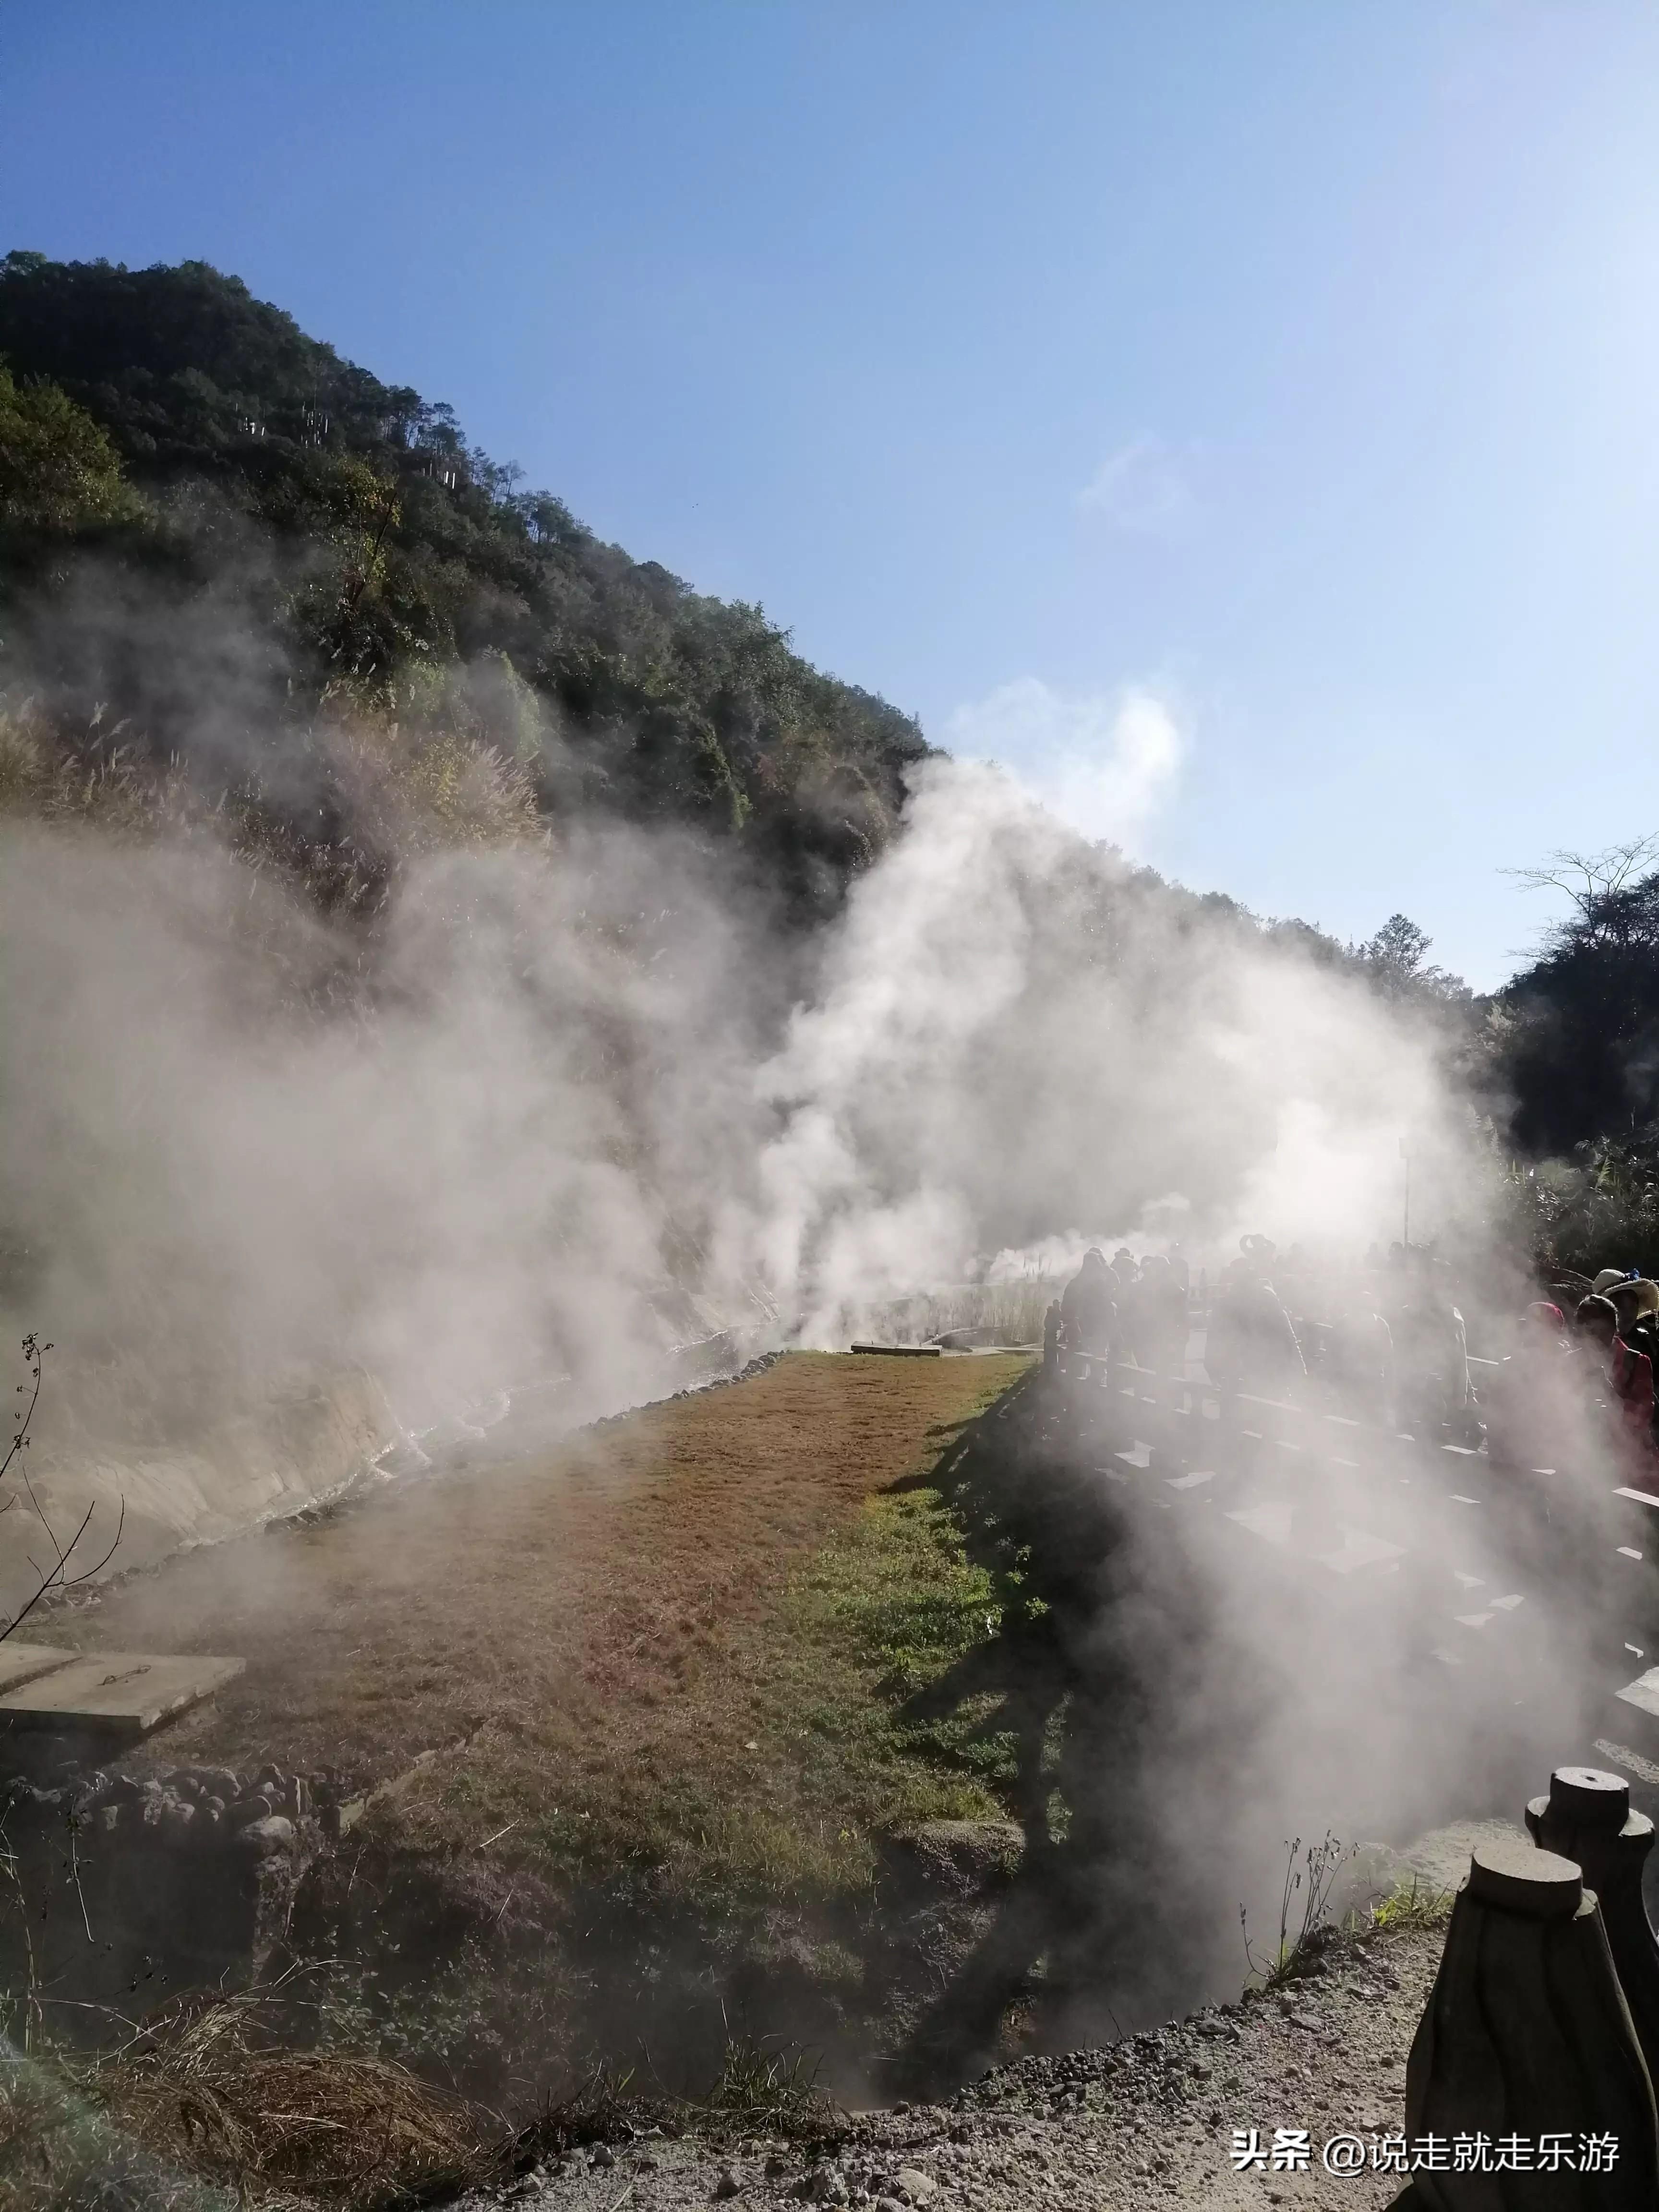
column 1131, row 1307
column 1386, row 1333
column 1619, row 1317
column 1386, row 1338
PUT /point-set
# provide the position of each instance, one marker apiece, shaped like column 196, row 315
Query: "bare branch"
column 1587, row 876
column 34, row 1352
column 56, row 1576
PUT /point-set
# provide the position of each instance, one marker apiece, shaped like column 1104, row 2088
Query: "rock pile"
column 205, row 1807
column 183, row 1877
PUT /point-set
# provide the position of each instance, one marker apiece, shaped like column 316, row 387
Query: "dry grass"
column 763, row 2088
column 204, row 2090
column 59, row 2152
column 667, row 1661
column 616, row 1632
column 91, row 777
column 202, row 2100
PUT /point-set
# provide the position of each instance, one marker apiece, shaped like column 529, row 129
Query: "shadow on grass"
column 1089, row 1682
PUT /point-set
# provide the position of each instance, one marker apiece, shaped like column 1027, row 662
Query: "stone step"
column 118, row 1695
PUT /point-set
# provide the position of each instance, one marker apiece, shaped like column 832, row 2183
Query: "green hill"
column 214, row 531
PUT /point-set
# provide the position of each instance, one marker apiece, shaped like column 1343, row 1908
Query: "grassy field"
column 674, row 1644
column 661, row 1670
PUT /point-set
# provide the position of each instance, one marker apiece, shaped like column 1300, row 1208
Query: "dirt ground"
column 1147, row 2122
column 588, row 1638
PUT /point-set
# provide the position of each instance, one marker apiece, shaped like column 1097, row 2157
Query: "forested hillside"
column 278, row 537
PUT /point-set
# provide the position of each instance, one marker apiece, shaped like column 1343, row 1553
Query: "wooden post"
column 1587, row 1818
column 1527, row 2033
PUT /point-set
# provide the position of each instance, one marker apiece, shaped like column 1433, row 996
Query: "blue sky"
column 1291, row 370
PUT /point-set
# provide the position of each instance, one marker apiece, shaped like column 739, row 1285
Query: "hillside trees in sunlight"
column 59, row 472
column 310, row 539
column 1396, row 963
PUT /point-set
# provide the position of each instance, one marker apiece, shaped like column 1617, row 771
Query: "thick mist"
column 564, row 1107
column 1013, row 1034
column 568, row 1106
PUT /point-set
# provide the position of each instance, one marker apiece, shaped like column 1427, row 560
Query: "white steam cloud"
column 565, row 1108
column 1015, row 1035
column 1102, row 762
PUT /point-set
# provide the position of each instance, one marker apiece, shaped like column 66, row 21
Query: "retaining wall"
column 289, row 1452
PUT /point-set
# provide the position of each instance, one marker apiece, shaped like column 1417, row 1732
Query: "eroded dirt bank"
column 1147, row 2121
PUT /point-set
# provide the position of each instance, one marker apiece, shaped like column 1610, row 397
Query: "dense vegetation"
column 1573, row 1052
column 279, row 533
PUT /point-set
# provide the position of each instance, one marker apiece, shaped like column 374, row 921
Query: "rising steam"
column 565, row 1106
column 569, row 1105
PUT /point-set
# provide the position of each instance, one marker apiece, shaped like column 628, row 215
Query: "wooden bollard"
column 1527, row 2034
column 1587, row 1818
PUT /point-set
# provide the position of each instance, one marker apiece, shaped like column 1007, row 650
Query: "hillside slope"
column 214, row 530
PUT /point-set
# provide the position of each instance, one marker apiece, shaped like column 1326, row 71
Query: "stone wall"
column 122, row 1890
column 289, row 1452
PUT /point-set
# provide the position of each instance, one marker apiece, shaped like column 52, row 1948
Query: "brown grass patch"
column 598, row 1626
column 203, row 2097
column 203, row 2090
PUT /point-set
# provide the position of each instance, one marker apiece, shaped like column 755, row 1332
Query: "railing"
column 1361, row 1504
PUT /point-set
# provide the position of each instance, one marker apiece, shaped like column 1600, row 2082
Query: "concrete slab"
column 1360, row 1549
column 1270, row 1523
column 23, row 1662
column 1644, row 1692
column 1631, row 1761
column 121, row 1694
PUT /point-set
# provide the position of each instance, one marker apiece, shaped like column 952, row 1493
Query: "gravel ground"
column 1147, row 2122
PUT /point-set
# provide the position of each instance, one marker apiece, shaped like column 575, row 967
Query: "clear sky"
column 1290, row 365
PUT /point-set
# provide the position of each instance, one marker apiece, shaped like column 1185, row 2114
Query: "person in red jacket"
column 1630, row 1372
